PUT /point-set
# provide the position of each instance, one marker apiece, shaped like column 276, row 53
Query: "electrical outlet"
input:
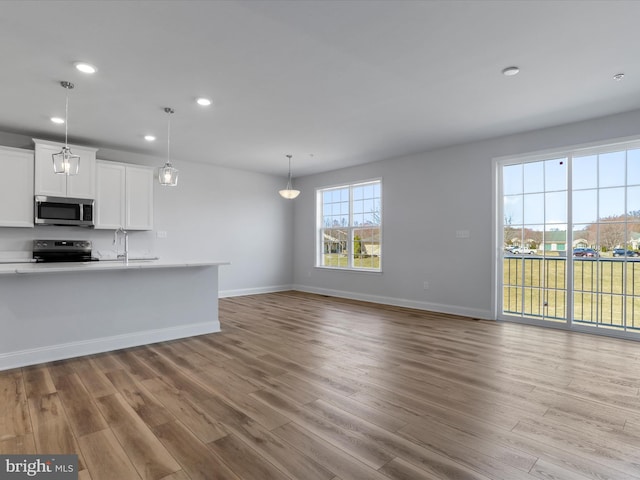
column 161, row 234
column 426, row 285
column 462, row 234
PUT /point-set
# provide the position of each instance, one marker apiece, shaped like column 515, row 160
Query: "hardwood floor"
column 306, row 387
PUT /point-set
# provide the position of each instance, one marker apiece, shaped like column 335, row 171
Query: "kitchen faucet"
column 125, row 234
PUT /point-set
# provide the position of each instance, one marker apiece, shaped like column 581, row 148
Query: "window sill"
column 347, row 269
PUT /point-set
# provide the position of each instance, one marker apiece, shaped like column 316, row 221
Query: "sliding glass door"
column 534, row 214
column 569, row 237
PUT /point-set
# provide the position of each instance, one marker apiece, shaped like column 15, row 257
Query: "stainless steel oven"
column 49, row 251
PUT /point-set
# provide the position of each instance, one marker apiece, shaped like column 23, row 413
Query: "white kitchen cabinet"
column 110, row 195
column 139, row 198
column 49, row 183
column 124, row 196
column 16, row 187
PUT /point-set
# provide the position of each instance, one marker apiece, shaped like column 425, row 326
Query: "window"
column 350, row 226
column 569, row 232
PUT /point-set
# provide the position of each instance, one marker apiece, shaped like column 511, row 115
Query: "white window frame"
column 569, row 152
column 350, row 228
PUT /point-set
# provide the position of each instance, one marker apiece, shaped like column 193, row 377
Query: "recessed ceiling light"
column 85, row 67
column 205, row 102
column 149, row 138
column 57, row 120
column 510, row 71
column 618, row 76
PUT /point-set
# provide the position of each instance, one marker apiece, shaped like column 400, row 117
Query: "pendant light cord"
column 66, row 120
column 169, row 112
column 67, row 86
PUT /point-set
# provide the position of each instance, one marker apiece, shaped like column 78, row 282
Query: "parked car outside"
column 621, row 252
column 523, row 251
column 585, row 252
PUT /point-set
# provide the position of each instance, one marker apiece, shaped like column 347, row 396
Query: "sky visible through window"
column 365, row 203
column 605, row 186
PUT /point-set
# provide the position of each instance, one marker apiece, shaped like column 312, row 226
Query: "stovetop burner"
column 62, row 251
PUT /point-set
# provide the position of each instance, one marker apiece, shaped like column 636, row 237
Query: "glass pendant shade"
column 65, row 162
column 289, row 192
column 168, row 175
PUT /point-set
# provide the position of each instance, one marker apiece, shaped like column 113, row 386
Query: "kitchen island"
column 62, row 310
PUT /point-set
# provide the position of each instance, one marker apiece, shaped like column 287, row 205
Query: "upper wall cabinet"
column 16, row 187
column 49, row 183
column 124, row 196
column 110, row 193
column 139, row 197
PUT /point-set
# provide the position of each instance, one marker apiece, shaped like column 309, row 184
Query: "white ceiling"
column 348, row 81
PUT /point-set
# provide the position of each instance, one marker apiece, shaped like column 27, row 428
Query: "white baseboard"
column 399, row 302
column 99, row 345
column 254, row 291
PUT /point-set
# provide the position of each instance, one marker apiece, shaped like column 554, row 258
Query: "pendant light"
column 168, row 175
column 65, row 162
column 289, row 193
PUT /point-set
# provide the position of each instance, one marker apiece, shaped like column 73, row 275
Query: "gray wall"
column 214, row 213
column 229, row 215
column 225, row 214
column 426, row 199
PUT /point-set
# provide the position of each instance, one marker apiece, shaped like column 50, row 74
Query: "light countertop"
column 30, row 268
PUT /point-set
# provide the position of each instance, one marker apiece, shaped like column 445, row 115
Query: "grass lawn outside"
column 606, row 291
column 360, row 261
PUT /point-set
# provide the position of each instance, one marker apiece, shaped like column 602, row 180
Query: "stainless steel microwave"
column 63, row 211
